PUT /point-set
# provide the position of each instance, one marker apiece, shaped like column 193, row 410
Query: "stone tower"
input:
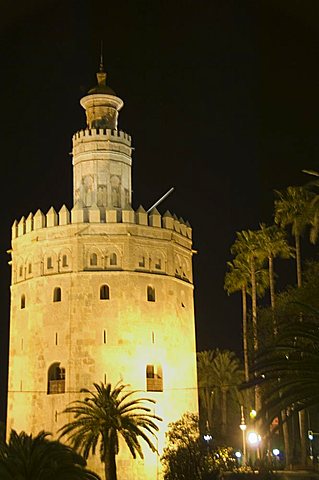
column 101, row 293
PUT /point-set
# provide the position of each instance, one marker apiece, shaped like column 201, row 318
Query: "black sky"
column 221, row 99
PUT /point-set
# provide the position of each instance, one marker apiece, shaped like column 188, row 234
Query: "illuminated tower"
column 101, row 293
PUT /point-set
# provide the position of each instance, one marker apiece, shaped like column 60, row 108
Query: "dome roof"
column 101, row 89
column 101, row 86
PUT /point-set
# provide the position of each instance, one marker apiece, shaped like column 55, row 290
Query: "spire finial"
column 101, row 57
column 101, row 75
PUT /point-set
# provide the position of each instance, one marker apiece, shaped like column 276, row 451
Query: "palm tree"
column 293, row 207
column 205, row 391
column 102, row 416
column 246, row 248
column 227, row 376
column 273, row 243
column 25, row 457
column 221, row 373
column 237, row 279
column 247, row 270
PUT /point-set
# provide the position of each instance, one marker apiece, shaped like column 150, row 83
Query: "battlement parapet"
column 98, row 215
column 101, row 134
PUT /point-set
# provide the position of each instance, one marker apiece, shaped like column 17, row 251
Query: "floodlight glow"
column 238, row 454
column 253, row 438
column 276, row 452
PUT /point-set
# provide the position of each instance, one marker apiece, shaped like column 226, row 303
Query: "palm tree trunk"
column 272, row 292
column 271, row 281
column 245, row 339
column 254, row 303
column 224, row 411
column 254, row 321
column 303, row 440
column 110, row 462
column 302, row 413
column 208, row 405
column 298, row 260
column 285, row 433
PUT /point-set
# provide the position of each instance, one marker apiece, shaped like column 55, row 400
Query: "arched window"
column 113, row 259
column 150, row 294
column 104, row 292
column 154, row 378
column 64, row 260
column 57, row 294
column 22, row 304
column 56, row 379
column 93, row 260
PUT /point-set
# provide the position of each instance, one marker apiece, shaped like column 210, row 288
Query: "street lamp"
column 243, row 427
column 254, row 439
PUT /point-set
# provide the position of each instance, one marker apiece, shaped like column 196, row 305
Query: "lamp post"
column 243, row 427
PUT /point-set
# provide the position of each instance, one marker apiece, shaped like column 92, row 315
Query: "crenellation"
column 111, row 216
column 141, row 216
column 64, row 216
column 21, row 227
column 98, row 134
column 14, row 229
column 29, row 223
column 99, row 215
column 155, row 218
column 168, row 220
column 94, row 214
column 188, row 231
column 128, row 216
column 52, row 218
column 177, row 225
column 77, row 214
column 38, row 220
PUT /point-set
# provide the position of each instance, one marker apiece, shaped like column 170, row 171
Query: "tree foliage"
column 290, row 367
column 220, row 374
column 186, row 457
column 28, row 457
column 105, row 414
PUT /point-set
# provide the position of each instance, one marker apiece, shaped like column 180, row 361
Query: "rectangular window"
column 150, row 294
column 49, row 263
column 141, row 263
column 105, row 336
column 154, row 378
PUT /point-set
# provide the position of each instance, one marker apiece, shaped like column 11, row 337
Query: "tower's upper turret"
column 101, row 104
column 102, row 154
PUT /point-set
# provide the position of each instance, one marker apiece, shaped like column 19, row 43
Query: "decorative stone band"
column 96, row 214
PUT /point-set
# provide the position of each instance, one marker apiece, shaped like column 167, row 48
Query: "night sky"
column 220, row 97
